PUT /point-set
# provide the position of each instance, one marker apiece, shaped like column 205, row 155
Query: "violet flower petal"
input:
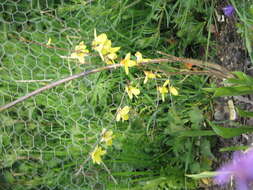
column 241, row 185
column 241, row 168
column 228, row 10
column 224, row 174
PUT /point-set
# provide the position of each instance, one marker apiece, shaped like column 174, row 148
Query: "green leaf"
column 233, row 90
column 9, row 177
column 7, row 121
column 194, row 133
column 202, row 175
column 251, row 10
column 233, row 148
column 228, row 132
column 146, row 42
column 244, row 113
column 242, row 78
column 196, row 115
column 205, row 148
column 195, row 167
column 8, row 160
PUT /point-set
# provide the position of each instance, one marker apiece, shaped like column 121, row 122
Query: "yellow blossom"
column 123, row 114
column 132, row 91
column 96, row 155
column 80, row 52
column 139, row 58
column 107, row 137
column 149, row 75
column 104, row 47
column 163, row 90
column 128, row 63
column 173, row 90
column 111, row 55
column 166, row 82
column 99, row 41
column 49, row 42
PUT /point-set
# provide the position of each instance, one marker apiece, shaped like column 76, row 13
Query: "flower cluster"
column 80, row 52
column 132, row 91
column 127, row 62
column 98, row 152
column 107, row 137
column 166, row 88
column 149, row 75
column 104, row 47
column 123, row 113
column 108, row 54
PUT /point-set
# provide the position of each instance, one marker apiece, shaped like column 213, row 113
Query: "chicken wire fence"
column 47, row 139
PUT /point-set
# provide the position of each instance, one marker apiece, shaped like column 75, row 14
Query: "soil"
column 231, row 54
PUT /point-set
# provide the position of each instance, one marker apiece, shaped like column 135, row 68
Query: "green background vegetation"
column 44, row 140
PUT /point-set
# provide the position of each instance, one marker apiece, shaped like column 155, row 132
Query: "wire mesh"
column 46, row 139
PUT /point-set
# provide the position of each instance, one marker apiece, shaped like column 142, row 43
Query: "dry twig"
column 213, row 69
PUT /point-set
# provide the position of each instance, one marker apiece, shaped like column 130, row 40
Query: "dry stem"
column 213, row 69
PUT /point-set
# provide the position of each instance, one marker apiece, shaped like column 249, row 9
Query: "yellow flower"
column 128, row 63
column 123, row 114
column 49, row 42
column 149, row 75
column 107, row 137
column 80, row 52
column 111, row 55
column 166, row 82
column 139, row 58
column 104, row 47
column 163, row 90
column 96, row 155
column 173, row 90
column 99, row 41
column 132, row 91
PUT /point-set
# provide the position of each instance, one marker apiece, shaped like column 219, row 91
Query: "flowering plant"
column 240, row 168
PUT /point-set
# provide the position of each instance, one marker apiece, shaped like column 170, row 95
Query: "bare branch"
column 213, row 69
column 49, row 86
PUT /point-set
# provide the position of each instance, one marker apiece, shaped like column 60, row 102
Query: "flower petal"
column 222, row 177
column 242, row 185
column 173, row 91
column 166, row 82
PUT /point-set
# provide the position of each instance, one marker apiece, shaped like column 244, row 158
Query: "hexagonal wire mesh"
column 46, row 139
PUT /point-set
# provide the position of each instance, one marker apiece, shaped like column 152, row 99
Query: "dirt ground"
column 231, row 54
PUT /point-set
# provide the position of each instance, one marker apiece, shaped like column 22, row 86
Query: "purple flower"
column 229, row 10
column 241, row 168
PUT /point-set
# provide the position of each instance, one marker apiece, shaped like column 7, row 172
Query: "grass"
column 45, row 139
column 245, row 15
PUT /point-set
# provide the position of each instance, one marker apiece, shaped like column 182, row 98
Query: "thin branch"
column 194, row 73
column 89, row 156
column 31, row 81
column 41, row 44
column 110, row 174
column 49, row 86
column 202, row 64
column 222, row 73
column 22, row 39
